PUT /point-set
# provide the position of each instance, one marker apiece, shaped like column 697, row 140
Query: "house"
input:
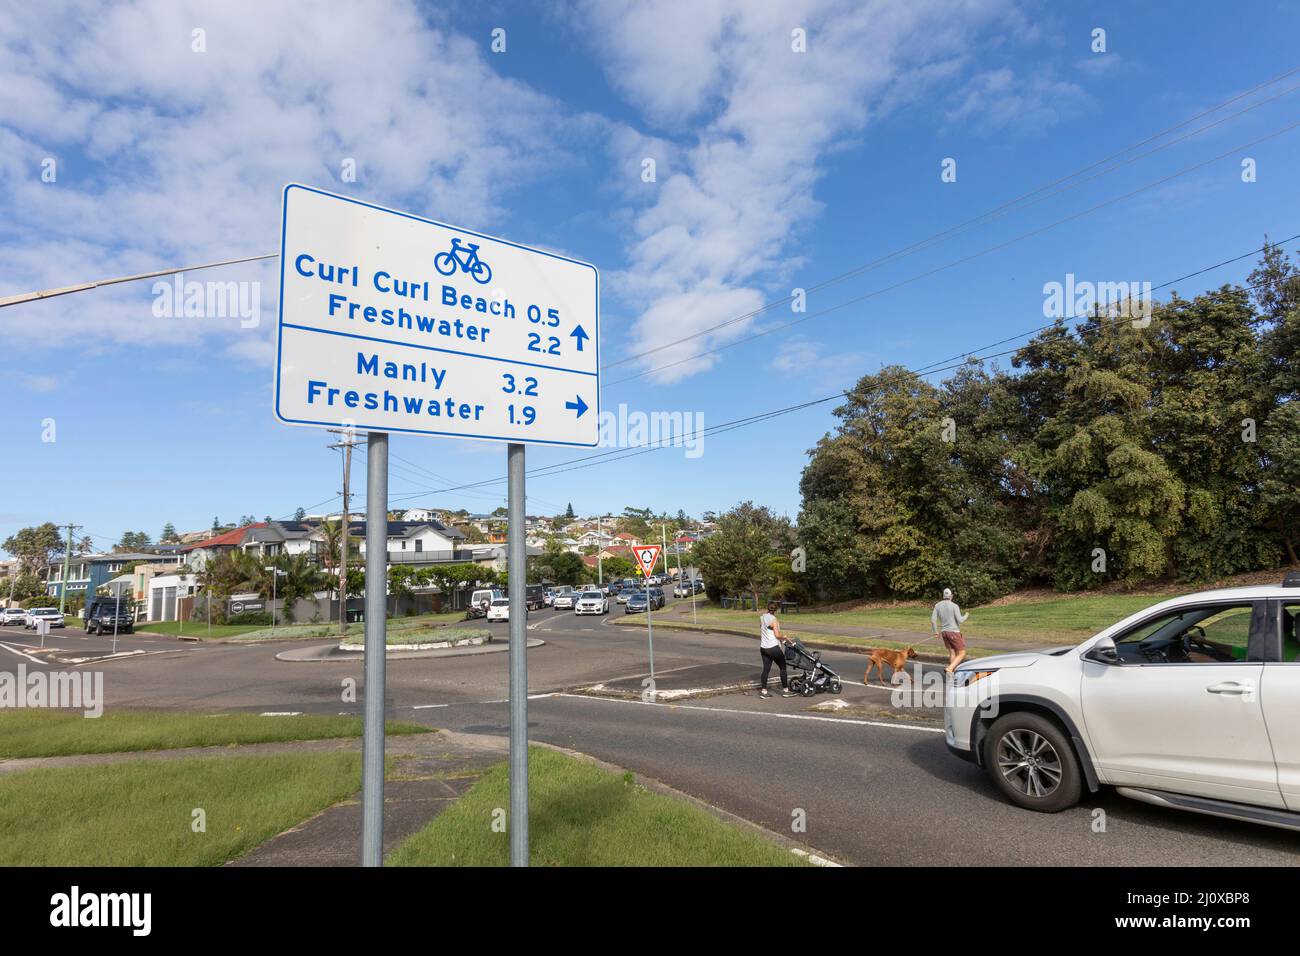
column 197, row 555
column 496, row 556
column 627, row 540
column 283, row 537
column 595, row 539
column 419, row 542
column 89, row 572
column 165, row 592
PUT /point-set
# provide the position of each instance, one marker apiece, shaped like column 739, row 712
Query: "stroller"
column 814, row 677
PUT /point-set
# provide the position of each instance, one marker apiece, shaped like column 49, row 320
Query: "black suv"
column 103, row 615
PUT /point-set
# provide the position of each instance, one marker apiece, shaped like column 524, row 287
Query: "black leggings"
column 773, row 655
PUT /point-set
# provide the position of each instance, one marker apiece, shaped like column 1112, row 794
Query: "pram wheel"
column 796, row 685
column 835, row 686
column 809, row 689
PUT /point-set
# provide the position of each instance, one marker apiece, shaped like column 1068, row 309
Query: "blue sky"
column 774, row 170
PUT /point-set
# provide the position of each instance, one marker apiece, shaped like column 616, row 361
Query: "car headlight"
column 966, row 678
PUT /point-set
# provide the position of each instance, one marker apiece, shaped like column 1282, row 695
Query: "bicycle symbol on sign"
column 466, row 257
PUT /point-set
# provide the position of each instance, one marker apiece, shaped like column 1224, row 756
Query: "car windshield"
column 504, row 602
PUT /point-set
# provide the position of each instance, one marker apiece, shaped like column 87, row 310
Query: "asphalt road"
column 872, row 789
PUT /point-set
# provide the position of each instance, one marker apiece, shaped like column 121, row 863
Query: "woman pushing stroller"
column 771, row 644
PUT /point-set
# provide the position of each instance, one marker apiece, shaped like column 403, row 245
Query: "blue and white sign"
column 391, row 322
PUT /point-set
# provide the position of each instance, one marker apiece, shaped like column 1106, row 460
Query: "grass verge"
column 143, row 813
column 581, row 815
column 935, row 648
column 54, row 733
column 1055, row 620
column 286, row 632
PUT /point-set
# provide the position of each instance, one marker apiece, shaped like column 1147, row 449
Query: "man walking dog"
column 946, row 620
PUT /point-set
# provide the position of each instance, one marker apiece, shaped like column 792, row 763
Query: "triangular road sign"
column 646, row 556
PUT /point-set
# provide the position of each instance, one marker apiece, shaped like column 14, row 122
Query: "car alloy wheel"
column 1029, row 763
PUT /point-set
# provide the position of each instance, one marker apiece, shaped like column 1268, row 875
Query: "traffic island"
column 683, row 683
column 354, row 654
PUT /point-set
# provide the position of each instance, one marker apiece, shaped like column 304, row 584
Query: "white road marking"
column 814, row 859
column 14, row 650
column 428, row 706
column 758, row 713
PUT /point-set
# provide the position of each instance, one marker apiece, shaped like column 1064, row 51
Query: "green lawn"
column 141, row 813
column 53, row 733
column 263, row 632
column 419, row 635
column 1064, row 618
column 790, row 628
column 581, row 815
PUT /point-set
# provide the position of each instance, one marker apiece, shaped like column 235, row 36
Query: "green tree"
column 738, row 557
column 36, row 548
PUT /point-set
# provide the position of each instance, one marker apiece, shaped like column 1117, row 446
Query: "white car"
column 50, row 615
column 499, row 610
column 564, row 599
column 12, row 615
column 1193, row 703
column 591, row 602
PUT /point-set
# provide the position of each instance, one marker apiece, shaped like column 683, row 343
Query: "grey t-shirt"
column 947, row 616
column 766, row 633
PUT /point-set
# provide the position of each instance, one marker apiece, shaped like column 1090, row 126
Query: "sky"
column 124, row 148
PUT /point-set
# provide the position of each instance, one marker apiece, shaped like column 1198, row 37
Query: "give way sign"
column 646, row 556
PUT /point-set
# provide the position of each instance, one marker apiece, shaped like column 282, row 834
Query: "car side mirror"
column 1103, row 652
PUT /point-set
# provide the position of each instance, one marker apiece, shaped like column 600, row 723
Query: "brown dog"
column 881, row 656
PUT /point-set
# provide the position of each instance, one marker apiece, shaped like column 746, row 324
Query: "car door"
column 1280, row 699
column 1191, row 723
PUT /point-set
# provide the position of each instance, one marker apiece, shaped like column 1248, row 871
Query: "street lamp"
column 275, row 577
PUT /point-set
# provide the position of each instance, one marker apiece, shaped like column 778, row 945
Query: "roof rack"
column 1292, row 580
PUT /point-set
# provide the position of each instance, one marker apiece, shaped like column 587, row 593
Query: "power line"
column 1000, row 209
column 944, row 365
column 959, row 261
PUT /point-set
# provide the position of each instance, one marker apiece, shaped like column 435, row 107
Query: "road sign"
column 647, row 556
column 392, row 322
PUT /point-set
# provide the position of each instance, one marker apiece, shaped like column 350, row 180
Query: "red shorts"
column 953, row 640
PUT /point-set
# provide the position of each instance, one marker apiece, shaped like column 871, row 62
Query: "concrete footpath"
column 428, row 773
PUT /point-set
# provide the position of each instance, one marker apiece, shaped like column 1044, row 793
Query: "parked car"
column 565, row 596
column 634, row 602
column 109, row 616
column 13, row 615
column 548, row 597
column 534, row 597
column 50, row 615
column 499, row 610
column 683, row 588
column 1191, row 704
column 699, row 586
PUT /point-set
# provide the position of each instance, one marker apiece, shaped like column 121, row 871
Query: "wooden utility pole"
column 346, row 445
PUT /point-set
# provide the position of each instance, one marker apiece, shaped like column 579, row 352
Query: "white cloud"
column 168, row 157
column 752, row 120
column 1000, row 100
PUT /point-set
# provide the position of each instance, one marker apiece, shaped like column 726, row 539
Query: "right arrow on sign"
column 578, row 405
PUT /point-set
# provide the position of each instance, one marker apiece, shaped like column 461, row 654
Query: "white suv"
column 1192, row 703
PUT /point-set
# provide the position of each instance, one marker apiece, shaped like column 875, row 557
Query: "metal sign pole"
column 372, row 750
column 649, row 628
column 517, row 558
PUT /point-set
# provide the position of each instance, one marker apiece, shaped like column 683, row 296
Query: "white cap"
column 947, row 594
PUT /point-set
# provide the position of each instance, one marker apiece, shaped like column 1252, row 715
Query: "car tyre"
column 1032, row 763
